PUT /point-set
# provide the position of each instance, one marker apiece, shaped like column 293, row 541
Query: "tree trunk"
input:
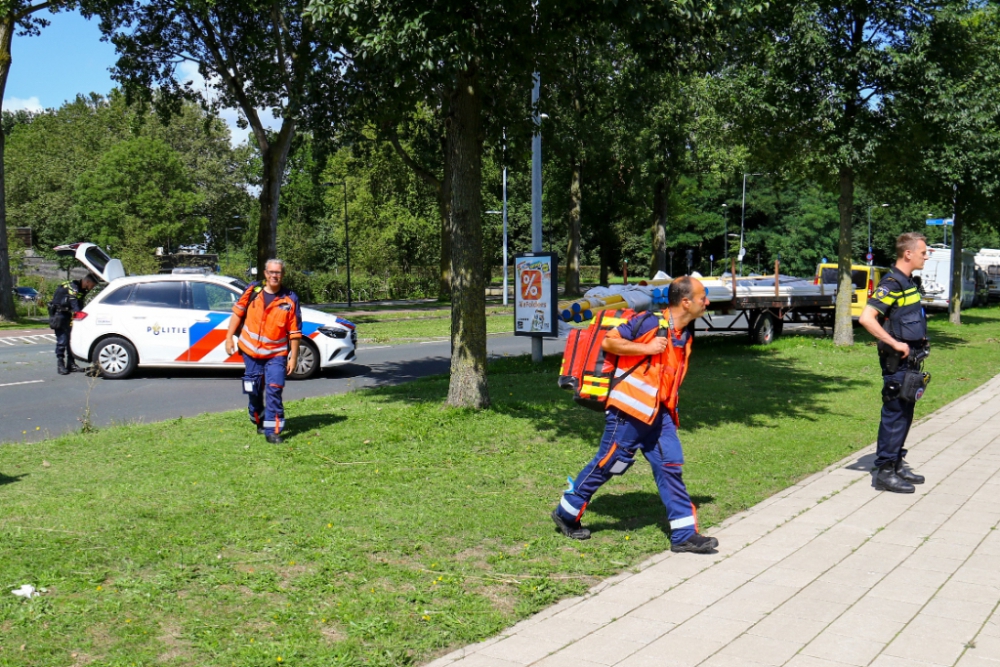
column 467, row 387
column 274, row 156
column 573, row 249
column 7, row 309
column 444, row 210
column 955, row 297
column 661, row 196
column 843, row 331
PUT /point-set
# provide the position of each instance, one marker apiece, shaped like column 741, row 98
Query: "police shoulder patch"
column 881, row 292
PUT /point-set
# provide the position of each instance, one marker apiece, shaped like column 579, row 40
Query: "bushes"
column 332, row 287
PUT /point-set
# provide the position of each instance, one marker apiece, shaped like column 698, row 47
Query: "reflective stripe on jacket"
column 267, row 331
column 655, row 380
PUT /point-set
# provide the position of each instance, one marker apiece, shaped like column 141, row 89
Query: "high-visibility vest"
column 267, row 331
column 655, row 380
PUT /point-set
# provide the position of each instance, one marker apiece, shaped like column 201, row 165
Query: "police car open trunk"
column 94, row 260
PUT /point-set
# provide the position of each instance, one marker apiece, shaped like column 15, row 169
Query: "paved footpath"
column 826, row 573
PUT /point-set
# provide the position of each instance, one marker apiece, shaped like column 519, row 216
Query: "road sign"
column 869, row 257
column 938, row 222
column 743, row 251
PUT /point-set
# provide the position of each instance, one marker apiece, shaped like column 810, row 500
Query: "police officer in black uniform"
column 895, row 317
column 67, row 300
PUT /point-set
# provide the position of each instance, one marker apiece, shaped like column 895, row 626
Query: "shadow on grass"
column 301, row 425
column 7, row 479
column 633, row 510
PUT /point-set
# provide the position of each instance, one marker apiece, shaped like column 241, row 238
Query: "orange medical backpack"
column 586, row 370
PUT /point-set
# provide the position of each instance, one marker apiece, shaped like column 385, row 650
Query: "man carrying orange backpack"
column 641, row 415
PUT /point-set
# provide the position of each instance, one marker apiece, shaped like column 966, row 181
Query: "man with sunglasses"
column 896, row 318
column 271, row 322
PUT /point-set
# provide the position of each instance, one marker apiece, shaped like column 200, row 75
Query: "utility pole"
column 536, row 196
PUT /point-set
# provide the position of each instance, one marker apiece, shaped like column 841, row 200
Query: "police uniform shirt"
column 897, row 301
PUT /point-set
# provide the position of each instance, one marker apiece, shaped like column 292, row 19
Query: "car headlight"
column 332, row 332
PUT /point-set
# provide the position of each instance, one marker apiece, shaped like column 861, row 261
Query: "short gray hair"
column 279, row 262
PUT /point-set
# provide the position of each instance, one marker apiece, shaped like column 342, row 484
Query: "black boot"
column 573, row 530
column 696, row 544
column 275, row 439
column 907, row 474
column 61, row 367
column 886, row 479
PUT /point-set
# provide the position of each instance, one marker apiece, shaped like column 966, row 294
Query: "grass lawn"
column 408, row 326
column 22, row 323
column 388, row 530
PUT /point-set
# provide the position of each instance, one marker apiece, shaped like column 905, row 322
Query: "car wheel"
column 115, row 358
column 308, row 362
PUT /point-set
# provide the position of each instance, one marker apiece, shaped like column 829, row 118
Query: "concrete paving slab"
column 826, row 573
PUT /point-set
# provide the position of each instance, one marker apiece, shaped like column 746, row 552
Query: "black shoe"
column 75, row 369
column 907, row 474
column 886, row 479
column 696, row 544
column 260, row 430
column 61, row 369
column 574, row 530
column 275, row 439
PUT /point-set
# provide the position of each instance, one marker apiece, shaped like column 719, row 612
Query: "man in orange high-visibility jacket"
column 269, row 341
column 653, row 353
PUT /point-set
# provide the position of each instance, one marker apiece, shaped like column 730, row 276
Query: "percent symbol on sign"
column 531, row 285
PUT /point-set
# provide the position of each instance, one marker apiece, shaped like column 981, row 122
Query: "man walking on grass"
column 271, row 323
column 653, row 355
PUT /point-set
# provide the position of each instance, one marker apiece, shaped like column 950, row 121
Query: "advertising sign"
column 536, row 297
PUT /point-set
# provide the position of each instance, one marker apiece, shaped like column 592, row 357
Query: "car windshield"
column 858, row 277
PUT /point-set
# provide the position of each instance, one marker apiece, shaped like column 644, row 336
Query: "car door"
column 212, row 306
column 159, row 321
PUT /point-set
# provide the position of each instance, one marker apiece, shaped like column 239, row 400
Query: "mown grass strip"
column 388, row 530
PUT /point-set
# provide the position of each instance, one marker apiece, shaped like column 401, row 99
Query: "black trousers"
column 63, row 353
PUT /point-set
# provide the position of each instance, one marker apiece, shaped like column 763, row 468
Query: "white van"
column 988, row 259
column 935, row 277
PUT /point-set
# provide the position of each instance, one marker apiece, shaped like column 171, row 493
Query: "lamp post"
column 347, row 241
column 870, row 231
column 743, row 210
column 725, row 233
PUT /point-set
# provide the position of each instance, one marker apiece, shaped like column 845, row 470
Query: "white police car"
column 181, row 320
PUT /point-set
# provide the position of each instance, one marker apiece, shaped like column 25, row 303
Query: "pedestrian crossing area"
column 34, row 339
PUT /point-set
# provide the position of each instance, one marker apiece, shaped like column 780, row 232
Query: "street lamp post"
column 347, row 240
column 743, row 209
column 725, row 234
column 870, row 232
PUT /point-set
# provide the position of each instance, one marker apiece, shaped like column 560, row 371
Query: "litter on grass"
column 28, row 591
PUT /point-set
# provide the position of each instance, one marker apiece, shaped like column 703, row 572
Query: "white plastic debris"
column 27, row 591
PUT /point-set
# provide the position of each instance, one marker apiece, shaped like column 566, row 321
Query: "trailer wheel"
column 764, row 330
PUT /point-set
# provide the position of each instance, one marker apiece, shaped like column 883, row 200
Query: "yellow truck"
column 865, row 279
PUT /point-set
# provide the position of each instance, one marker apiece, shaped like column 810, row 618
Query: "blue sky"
column 68, row 58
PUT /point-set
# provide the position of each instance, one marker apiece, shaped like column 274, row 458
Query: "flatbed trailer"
column 763, row 318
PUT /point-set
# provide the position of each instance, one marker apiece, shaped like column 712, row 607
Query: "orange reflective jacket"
column 655, row 380
column 267, row 331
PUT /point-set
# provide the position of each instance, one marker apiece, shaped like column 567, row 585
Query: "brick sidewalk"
column 828, row 572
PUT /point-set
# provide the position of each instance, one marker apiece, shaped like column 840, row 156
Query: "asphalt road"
column 37, row 403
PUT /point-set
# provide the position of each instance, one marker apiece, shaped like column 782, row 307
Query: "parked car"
column 29, row 294
column 864, row 278
column 181, row 320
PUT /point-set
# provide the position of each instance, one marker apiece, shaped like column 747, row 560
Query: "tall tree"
column 816, row 84
column 948, row 121
column 21, row 17
column 256, row 56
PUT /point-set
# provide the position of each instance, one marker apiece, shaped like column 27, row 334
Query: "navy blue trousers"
column 897, row 416
column 266, row 409
column 658, row 442
column 63, row 353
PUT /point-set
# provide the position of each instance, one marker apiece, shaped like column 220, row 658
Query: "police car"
column 180, row 321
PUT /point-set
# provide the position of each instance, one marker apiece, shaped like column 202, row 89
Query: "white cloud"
column 32, row 104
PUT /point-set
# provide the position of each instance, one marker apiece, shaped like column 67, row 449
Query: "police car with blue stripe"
column 181, row 321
